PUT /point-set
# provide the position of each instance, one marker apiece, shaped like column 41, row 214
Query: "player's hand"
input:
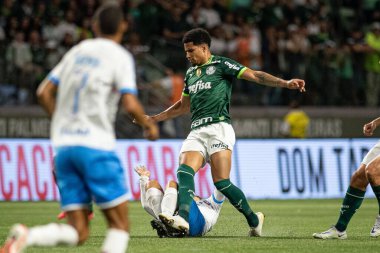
column 369, row 128
column 142, row 171
column 151, row 131
column 296, row 84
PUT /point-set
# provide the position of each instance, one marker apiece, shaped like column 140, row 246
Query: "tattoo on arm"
column 267, row 79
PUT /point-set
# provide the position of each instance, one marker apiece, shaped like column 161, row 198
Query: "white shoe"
column 175, row 221
column 331, row 233
column 256, row 231
column 375, row 231
column 16, row 241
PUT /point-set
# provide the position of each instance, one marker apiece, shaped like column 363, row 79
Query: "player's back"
column 90, row 78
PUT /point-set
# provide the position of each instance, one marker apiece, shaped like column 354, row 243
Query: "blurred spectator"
column 67, row 26
column 295, row 123
column 84, row 31
column 194, row 18
column 219, row 43
column 372, row 65
column 19, row 64
column 38, row 51
column 208, row 12
column 50, row 31
column 306, row 38
column 52, row 55
column 174, row 26
column 358, row 48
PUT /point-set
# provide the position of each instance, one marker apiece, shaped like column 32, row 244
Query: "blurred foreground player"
column 82, row 94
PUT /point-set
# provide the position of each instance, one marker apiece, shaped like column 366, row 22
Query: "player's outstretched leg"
column 239, row 201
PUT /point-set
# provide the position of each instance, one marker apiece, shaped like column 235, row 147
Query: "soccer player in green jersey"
column 207, row 95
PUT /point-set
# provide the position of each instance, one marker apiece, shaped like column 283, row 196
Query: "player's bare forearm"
column 46, row 93
column 181, row 107
column 264, row 78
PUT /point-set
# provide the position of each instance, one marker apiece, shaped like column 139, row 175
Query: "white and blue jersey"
column 204, row 214
column 91, row 78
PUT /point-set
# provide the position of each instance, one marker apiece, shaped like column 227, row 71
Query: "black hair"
column 109, row 16
column 197, row 36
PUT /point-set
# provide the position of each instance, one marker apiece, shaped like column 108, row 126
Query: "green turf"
column 288, row 227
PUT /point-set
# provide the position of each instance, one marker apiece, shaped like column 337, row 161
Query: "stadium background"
column 330, row 44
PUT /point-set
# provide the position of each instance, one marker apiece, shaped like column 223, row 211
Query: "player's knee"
column 153, row 184
column 359, row 178
column 372, row 170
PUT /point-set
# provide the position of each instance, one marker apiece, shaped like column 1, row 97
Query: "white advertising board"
column 277, row 169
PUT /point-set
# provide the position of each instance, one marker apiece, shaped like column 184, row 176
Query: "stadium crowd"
column 333, row 45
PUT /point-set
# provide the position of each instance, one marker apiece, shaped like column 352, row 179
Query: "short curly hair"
column 197, row 36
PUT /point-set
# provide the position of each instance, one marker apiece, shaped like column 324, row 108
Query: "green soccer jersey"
column 209, row 87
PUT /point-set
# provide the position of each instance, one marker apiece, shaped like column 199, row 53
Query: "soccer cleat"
column 256, row 231
column 176, row 222
column 16, row 241
column 331, row 233
column 160, row 228
column 375, row 231
column 164, row 231
column 61, row 215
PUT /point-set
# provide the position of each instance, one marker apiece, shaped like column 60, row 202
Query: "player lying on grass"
column 368, row 172
column 161, row 203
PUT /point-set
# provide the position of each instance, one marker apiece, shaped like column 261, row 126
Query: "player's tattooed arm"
column 264, row 78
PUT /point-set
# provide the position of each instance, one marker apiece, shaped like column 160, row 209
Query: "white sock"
column 169, row 201
column 52, row 234
column 116, row 241
column 218, row 195
column 154, row 198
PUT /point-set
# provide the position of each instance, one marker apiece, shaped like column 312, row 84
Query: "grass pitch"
column 288, row 227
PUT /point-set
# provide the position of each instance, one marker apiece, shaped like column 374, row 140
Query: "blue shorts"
column 196, row 220
column 85, row 174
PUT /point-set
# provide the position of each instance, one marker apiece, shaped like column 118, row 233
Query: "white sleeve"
column 125, row 79
column 143, row 182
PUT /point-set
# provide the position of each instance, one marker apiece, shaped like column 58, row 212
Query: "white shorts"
column 210, row 139
column 372, row 154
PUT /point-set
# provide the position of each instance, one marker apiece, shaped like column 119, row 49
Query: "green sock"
column 238, row 200
column 185, row 175
column 352, row 201
column 376, row 191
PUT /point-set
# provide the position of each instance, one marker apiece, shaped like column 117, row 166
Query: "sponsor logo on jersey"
column 201, row 121
column 219, row 145
column 210, row 70
column 231, row 66
column 199, row 85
